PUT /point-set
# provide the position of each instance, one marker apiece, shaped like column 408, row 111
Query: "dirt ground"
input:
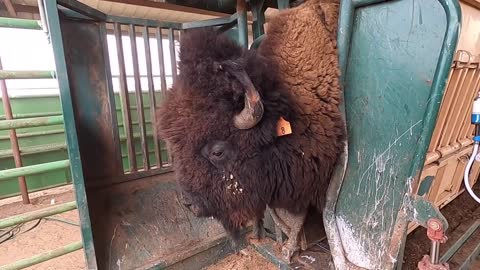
column 47, row 235
column 52, row 234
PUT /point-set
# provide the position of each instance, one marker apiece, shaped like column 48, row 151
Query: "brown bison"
column 255, row 128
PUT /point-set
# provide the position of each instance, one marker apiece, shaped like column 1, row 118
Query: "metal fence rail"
column 43, row 257
column 42, row 213
column 49, row 211
column 34, row 169
column 26, row 74
column 21, row 171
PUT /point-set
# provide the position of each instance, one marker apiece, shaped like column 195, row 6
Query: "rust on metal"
column 127, row 117
column 151, row 94
column 139, row 98
column 11, row 10
column 22, row 183
column 435, row 230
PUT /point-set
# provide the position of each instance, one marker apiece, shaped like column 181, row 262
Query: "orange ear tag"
column 283, row 127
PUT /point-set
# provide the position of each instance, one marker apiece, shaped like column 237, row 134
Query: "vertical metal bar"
column 71, row 137
column 471, row 91
column 445, row 107
column 434, row 252
column 22, row 183
column 465, row 104
column 467, row 129
column 11, row 10
column 258, row 12
column 151, row 92
column 118, row 160
column 125, row 99
column 161, row 62
column 242, row 23
column 283, row 4
column 173, row 59
column 41, row 10
column 447, row 133
column 139, row 98
column 163, row 81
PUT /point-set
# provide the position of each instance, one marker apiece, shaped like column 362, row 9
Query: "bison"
column 251, row 129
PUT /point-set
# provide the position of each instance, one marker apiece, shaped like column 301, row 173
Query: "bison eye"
column 218, row 152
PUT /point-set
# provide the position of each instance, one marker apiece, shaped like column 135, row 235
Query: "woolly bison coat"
column 220, row 118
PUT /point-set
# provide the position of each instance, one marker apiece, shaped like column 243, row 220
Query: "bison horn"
column 252, row 112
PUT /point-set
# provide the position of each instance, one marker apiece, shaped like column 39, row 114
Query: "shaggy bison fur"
column 233, row 172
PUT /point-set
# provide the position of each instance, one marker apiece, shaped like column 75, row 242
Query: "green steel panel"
column 53, row 21
column 395, row 57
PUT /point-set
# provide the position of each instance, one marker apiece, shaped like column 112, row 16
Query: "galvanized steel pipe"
column 242, row 23
column 27, row 74
column 31, row 122
column 43, row 257
column 49, row 211
column 34, row 169
column 20, row 23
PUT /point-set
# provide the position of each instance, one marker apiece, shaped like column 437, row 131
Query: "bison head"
column 219, row 121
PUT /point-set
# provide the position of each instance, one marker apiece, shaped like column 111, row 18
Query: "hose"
column 467, row 173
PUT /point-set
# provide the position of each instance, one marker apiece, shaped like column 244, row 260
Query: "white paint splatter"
column 310, row 258
column 390, row 145
column 354, row 249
